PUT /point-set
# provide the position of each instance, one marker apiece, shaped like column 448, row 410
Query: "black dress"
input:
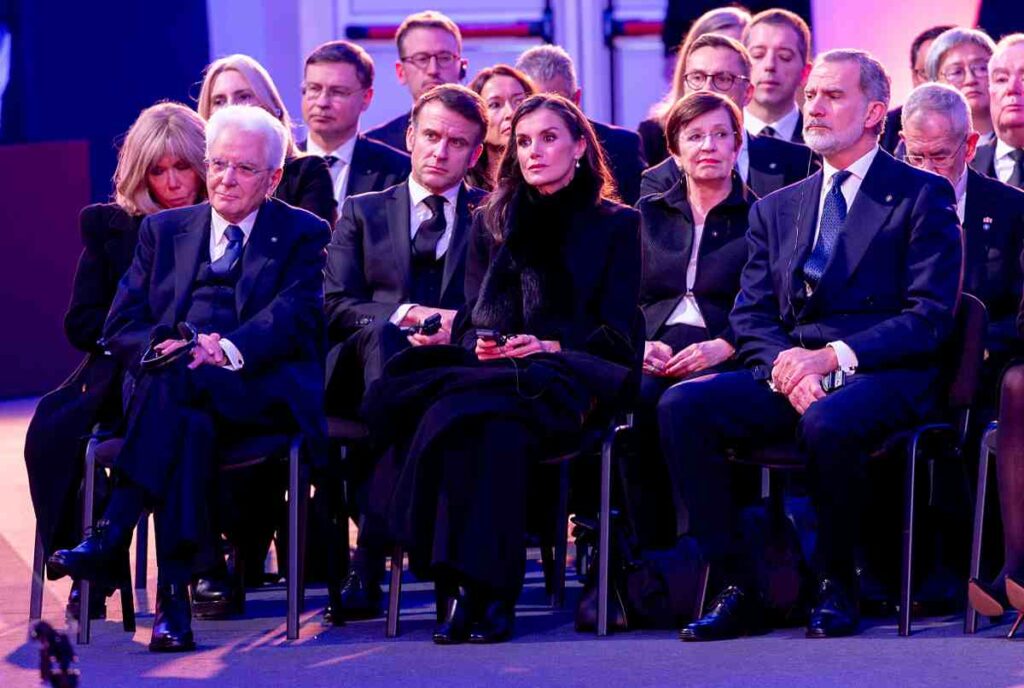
column 463, row 435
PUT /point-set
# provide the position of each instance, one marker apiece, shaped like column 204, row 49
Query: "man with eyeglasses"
column 1004, row 158
column 429, row 54
column 246, row 271
column 918, row 75
column 337, row 88
column 718, row 63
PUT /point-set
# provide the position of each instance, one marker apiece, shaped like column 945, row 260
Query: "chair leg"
column 293, row 540
column 702, row 591
column 127, row 598
column 561, row 538
column 1016, row 625
column 908, row 537
column 984, row 459
column 35, row 601
column 88, row 501
column 605, row 528
column 395, row 591
column 141, row 551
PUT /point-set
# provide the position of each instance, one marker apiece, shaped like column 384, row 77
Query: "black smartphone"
column 833, row 381
column 491, row 336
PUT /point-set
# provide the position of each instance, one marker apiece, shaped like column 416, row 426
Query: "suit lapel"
column 188, row 246
column 985, row 160
column 798, row 222
column 454, row 256
column 258, row 250
column 766, row 173
column 399, row 224
column 361, row 175
column 798, row 132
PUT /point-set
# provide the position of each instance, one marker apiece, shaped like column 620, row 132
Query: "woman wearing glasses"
column 241, row 80
column 160, row 165
column 550, row 341
column 959, row 57
column 503, row 88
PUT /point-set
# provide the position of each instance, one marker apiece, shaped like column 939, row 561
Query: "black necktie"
column 833, row 214
column 222, row 265
column 430, row 230
column 1017, row 176
column 769, row 131
column 331, row 160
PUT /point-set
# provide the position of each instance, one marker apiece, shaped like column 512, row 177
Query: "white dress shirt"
column 785, row 126
column 218, row 245
column 961, row 195
column 341, row 167
column 419, row 213
column 858, row 169
column 687, row 311
column 1003, row 162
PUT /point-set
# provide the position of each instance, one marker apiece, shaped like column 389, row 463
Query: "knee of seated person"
column 683, row 403
column 821, row 430
column 1012, row 388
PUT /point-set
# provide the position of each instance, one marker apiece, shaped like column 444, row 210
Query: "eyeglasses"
column 314, row 91
column 958, row 74
column 720, row 81
column 244, row 170
column 935, row 160
column 444, row 59
column 697, row 138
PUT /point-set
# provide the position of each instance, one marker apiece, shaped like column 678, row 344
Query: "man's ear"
column 400, row 72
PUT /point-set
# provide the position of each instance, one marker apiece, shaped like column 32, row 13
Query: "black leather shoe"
column 96, row 558
column 97, row 602
column 455, row 627
column 836, row 614
column 217, row 597
column 172, row 623
column 494, row 625
column 359, row 600
column 732, row 614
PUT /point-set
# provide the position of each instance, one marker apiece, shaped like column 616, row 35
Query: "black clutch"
column 154, row 360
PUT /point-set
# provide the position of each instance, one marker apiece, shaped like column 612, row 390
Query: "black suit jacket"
column 306, row 183
column 109, row 235
column 393, row 132
column 375, row 166
column 368, row 259
column 625, row 157
column 774, row 163
column 890, row 139
column 666, row 232
column 279, row 298
column 993, row 238
column 892, row 285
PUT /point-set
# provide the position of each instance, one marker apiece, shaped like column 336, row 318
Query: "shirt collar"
column 218, row 224
column 1003, row 149
column 785, row 126
column 859, row 167
column 417, row 192
column 342, row 152
column 961, row 185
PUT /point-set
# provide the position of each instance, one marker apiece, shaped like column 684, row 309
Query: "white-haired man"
column 245, row 271
column 1004, row 158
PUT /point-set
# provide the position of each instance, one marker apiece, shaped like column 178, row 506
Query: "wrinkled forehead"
column 1010, row 59
column 928, row 128
column 437, row 117
column 232, row 140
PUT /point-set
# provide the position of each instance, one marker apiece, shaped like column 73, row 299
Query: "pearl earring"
column 577, row 163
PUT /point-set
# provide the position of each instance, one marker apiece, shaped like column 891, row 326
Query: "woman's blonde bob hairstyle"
column 162, row 129
column 262, row 86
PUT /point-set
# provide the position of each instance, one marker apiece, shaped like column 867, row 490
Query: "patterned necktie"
column 430, row 230
column 833, row 214
column 222, row 265
column 770, row 132
column 1017, row 176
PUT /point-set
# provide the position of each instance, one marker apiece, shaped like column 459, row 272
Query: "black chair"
column 946, row 435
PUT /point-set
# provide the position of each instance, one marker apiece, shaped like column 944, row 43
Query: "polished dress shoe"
column 836, row 614
column 494, row 625
column 217, row 597
column 454, row 629
column 986, row 599
column 172, row 622
column 732, row 614
column 359, row 600
column 99, row 557
column 97, row 602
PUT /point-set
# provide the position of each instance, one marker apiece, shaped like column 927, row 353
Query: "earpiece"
column 462, row 70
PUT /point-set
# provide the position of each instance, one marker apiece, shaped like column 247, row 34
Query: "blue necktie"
column 833, row 215
column 222, row 265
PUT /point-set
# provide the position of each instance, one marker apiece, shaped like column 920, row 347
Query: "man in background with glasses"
column 429, row 54
column 720, row 64
column 337, row 87
column 918, row 75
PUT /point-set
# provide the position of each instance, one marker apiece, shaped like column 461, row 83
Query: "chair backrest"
column 965, row 352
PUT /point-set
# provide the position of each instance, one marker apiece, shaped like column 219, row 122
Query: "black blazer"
column 279, row 298
column 994, row 237
column 774, row 163
column 666, row 232
column 375, row 166
column 109, row 235
column 985, row 159
column 625, row 157
column 889, row 291
column 307, row 184
column 890, row 139
column 368, row 259
column 392, row 133
column 652, row 135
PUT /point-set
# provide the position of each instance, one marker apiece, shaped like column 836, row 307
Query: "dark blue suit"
column 889, row 292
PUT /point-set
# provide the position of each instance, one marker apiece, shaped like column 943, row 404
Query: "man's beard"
column 831, row 141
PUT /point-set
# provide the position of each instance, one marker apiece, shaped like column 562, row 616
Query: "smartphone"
column 491, row 336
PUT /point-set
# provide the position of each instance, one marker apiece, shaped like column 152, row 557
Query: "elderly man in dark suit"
column 719, row 63
column 552, row 70
column 245, row 271
column 337, row 87
column 855, row 270
column 396, row 259
column 1003, row 159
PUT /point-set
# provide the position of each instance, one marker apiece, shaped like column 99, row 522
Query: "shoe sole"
column 1015, row 593
column 180, row 647
column 982, row 602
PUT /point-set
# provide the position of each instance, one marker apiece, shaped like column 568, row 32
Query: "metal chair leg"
column 702, row 594
column 985, row 454
column 561, row 538
column 35, row 600
column 127, row 598
column 88, row 501
column 141, row 550
column 1016, row 625
column 293, row 541
column 395, row 591
column 605, row 527
column 908, row 537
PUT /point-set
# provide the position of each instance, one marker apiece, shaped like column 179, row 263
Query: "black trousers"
column 700, row 419
column 360, row 362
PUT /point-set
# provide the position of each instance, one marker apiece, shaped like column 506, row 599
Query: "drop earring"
column 577, row 163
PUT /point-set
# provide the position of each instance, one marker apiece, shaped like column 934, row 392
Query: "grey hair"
column 1005, row 43
column 546, row 62
column 953, row 38
column 252, row 119
column 940, row 99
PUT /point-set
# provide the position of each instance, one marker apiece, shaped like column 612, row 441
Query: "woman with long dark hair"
column 503, row 88
column 550, row 343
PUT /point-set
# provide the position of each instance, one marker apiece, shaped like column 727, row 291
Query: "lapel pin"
column 772, row 166
column 273, row 240
column 888, row 198
column 986, row 224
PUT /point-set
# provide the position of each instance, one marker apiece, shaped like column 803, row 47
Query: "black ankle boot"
column 172, row 624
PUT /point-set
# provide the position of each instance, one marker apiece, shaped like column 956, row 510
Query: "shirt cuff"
column 399, row 315
column 234, row 356
column 847, row 359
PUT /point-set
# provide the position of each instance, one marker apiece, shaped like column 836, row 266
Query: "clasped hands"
column 660, row 361
column 207, row 350
column 797, row 374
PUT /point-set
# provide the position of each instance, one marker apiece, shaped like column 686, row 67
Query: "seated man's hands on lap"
column 659, row 360
column 207, row 351
column 516, row 346
column 807, row 391
column 792, row 365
